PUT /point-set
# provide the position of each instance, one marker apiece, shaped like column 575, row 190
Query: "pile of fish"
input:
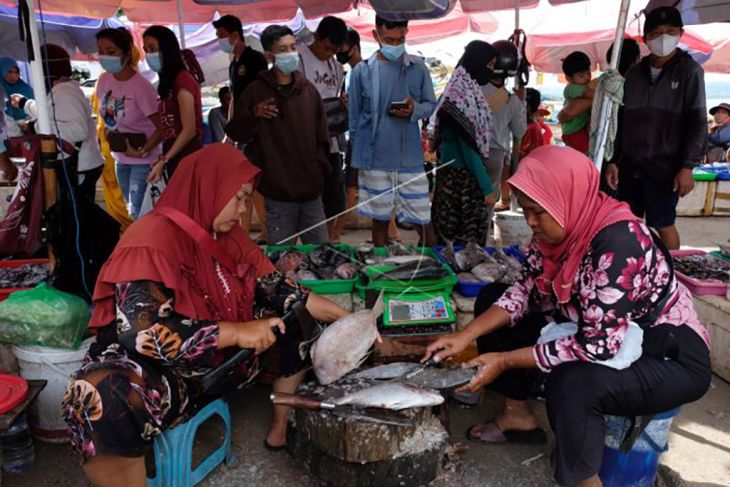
column 28, row 275
column 395, row 253
column 323, row 263
column 475, row 264
column 343, row 346
column 703, row 267
column 418, row 268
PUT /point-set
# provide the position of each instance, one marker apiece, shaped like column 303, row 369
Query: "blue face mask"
column 287, row 62
column 111, row 64
column 392, row 53
column 154, row 61
column 225, row 45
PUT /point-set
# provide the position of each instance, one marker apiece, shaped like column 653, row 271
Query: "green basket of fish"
column 427, row 275
column 394, row 253
column 324, row 269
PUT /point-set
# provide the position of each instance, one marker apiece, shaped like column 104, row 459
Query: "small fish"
column 392, row 395
column 468, row 277
column 289, row 261
column 387, row 371
column 343, row 345
column 489, row 272
column 346, row 270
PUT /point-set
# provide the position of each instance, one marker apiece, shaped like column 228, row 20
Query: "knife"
column 368, row 415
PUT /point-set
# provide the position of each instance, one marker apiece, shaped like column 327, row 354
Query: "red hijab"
column 565, row 182
column 155, row 248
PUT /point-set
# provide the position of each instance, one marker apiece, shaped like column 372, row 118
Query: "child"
column 577, row 69
column 533, row 137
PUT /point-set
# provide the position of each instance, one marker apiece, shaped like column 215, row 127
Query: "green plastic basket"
column 321, row 286
column 700, row 175
column 369, row 281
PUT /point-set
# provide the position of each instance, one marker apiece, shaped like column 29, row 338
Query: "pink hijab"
column 565, row 182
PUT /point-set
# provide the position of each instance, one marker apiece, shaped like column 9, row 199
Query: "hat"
column 662, row 16
column 724, row 106
column 543, row 110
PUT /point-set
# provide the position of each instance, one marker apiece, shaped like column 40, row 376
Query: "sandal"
column 492, row 435
column 274, row 449
column 500, row 207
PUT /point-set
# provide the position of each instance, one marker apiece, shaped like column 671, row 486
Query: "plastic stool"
column 174, row 450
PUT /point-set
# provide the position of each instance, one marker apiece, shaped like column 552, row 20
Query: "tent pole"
column 37, row 79
column 607, row 104
column 181, row 24
column 516, row 141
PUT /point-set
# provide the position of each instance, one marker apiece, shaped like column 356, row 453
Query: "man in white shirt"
column 327, row 75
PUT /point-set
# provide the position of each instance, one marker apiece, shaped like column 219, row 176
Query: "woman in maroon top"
column 180, row 102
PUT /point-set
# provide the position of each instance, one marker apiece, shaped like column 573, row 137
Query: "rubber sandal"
column 500, row 208
column 492, row 435
column 274, row 449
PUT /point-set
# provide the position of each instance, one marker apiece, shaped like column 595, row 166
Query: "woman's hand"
column 446, row 346
column 490, row 199
column 132, row 152
column 489, row 367
column 156, row 171
column 258, row 334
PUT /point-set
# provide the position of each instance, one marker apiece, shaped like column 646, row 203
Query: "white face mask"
column 663, row 45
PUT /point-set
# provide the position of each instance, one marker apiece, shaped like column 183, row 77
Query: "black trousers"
column 673, row 370
column 87, row 187
column 333, row 193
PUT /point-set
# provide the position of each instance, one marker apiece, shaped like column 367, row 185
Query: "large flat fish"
column 435, row 378
column 391, row 395
column 343, row 346
column 387, row 371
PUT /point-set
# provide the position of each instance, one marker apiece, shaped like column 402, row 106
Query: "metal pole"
column 181, row 23
column 607, row 104
column 516, row 141
column 37, row 79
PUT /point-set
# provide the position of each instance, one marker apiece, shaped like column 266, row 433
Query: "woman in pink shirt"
column 131, row 115
column 629, row 343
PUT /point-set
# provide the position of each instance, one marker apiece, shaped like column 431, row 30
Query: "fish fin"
column 379, row 306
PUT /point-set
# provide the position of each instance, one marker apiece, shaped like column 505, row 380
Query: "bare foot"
column 501, row 206
column 508, row 421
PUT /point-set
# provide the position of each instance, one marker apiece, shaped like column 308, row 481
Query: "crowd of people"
column 303, row 143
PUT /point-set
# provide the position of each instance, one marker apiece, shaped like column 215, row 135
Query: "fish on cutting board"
column 343, row 346
column 386, row 371
column 392, row 395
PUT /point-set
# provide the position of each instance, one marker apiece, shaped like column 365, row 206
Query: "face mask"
column 287, row 62
column 343, row 57
column 392, row 53
column 154, row 61
column 482, row 78
column 225, row 45
column 111, row 64
column 663, row 45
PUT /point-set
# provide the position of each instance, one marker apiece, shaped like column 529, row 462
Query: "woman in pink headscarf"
column 629, row 342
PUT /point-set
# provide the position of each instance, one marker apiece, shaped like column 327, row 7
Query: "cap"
column 725, row 106
column 662, row 16
column 543, row 110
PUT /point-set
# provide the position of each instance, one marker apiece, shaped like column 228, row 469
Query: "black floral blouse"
column 139, row 376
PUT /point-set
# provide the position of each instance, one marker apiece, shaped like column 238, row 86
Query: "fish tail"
column 379, row 306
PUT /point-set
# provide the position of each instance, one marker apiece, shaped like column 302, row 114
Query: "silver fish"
column 406, row 259
column 470, row 256
column 436, row 378
column 392, row 395
column 387, row 371
column 489, row 273
column 343, row 346
column 468, row 277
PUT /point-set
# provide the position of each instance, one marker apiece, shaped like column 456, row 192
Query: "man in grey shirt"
column 508, row 118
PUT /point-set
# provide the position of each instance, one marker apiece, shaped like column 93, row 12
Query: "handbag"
column 118, row 140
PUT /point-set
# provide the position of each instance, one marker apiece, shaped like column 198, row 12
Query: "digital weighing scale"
column 417, row 313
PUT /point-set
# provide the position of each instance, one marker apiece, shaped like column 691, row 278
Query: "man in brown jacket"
column 281, row 119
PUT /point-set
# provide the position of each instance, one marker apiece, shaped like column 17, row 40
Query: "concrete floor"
column 699, row 445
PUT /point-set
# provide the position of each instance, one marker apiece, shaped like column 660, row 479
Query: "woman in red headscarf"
column 183, row 283
column 629, row 342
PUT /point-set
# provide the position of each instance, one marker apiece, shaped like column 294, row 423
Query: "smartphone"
column 399, row 105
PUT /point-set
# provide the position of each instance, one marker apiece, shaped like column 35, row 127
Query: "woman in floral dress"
column 184, row 283
column 636, row 346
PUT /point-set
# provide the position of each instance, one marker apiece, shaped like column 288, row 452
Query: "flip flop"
column 274, row 449
column 492, row 435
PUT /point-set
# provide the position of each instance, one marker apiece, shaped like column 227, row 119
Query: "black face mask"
column 483, row 76
column 343, row 57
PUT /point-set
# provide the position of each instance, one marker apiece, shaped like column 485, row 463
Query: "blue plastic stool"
column 174, row 450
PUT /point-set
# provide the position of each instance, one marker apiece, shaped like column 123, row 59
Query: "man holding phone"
column 388, row 95
column 281, row 119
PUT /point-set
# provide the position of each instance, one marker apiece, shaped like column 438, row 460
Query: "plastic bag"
column 43, row 316
column 629, row 352
column 151, row 195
